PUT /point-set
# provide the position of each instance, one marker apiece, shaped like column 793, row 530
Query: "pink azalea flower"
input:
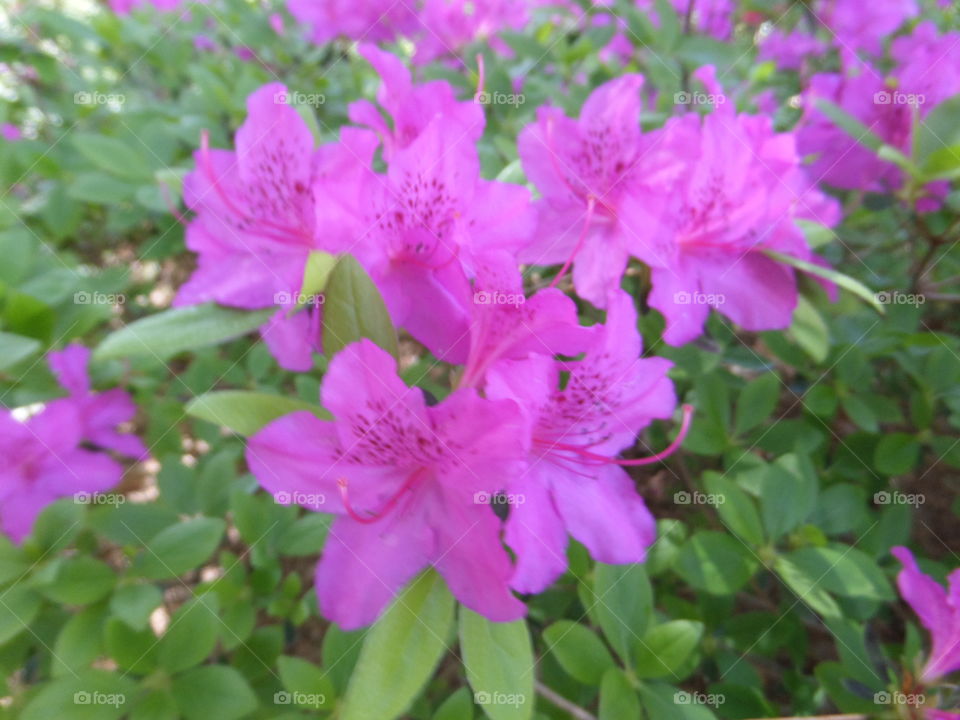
column 404, row 480
column 864, row 26
column 100, row 413
column 43, row 458
column 412, row 107
column 939, row 612
column 790, row 50
column 256, row 219
column 506, row 325
column 449, row 25
column 711, row 17
column 420, row 230
column 365, row 20
column 10, row 133
column 840, row 160
column 740, row 192
column 572, row 484
column 585, row 169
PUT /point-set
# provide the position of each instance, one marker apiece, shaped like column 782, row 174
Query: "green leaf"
column 16, row 348
column 498, row 658
column 180, row 548
column 939, row 131
column 810, row 331
column 100, row 189
column 757, row 401
column 735, row 508
column 715, row 562
column 807, row 588
column 80, row 580
column 90, row 695
column 316, row 274
column 173, row 331
column 459, row 706
column 666, row 647
column 845, row 281
column 213, row 691
column 134, row 604
column 354, row 310
column 19, row 607
column 896, row 454
column 788, row 494
column 578, row 650
column 843, row 570
column 79, row 642
column 401, row 651
column 618, row 700
column 664, row 701
column 191, row 636
column 623, row 605
column 850, row 125
column 306, row 684
column 113, row 155
column 246, row 413
column 132, row 650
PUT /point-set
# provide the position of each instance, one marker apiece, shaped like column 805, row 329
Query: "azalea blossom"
column 48, row 456
column 740, row 192
column 939, row 612
column 256, row 221
column 573, row 483
column 369, row 20
column 584, row 170
column 421, row 230
column 412, row 107
column 864, row 26
column 407, row 483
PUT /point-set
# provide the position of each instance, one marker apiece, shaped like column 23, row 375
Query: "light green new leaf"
column 173, row 331
column 247, row 412
column 353, row 309
column 498, row 658
column 401, row 651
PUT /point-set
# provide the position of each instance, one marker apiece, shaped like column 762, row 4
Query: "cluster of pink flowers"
column 698, row 201
column 62, row 450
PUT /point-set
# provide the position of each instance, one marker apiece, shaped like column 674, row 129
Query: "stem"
column 575, row 711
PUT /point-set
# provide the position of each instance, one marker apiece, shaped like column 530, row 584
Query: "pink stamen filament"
column 391, row 502
column 591, row 205
column 207, row 164
column 590, row 458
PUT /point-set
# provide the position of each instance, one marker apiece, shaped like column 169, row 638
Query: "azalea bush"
column 447, row 360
